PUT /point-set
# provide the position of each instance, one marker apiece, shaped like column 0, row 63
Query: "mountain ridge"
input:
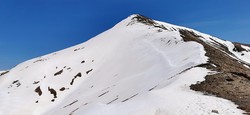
column 238, row 71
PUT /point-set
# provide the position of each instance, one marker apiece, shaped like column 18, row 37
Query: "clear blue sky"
column 31, row 28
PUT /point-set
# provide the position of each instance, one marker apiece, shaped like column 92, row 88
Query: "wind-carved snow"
column 174, row 99
column 131, row 69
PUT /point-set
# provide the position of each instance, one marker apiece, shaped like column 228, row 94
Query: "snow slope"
column 131, row 69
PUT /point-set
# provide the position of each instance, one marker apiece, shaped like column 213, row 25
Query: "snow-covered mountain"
column 138, row 67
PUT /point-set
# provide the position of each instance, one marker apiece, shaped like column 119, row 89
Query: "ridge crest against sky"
column 31, row 28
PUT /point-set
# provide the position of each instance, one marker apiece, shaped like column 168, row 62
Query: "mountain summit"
column 138, row 67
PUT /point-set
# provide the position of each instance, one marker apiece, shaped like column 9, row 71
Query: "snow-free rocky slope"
column 138, row 67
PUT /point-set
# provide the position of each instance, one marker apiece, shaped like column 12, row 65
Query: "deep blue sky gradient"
column 31, row 28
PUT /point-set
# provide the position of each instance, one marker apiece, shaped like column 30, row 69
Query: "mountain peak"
column 142, row 19
column 137, row 18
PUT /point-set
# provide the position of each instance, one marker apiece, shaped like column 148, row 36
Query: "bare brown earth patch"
column 238, row 47
column 232, row 81
column 1, row 74
column 58, row 73
column 147, row 21
column 38, row 91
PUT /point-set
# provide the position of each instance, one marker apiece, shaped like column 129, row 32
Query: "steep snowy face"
column 120, row 71
column 130, row 59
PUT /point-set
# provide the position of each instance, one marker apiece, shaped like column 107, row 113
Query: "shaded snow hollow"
column 138, row 67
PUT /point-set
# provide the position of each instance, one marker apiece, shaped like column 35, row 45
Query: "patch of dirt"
column 39, row 60
column 1, row 74
column 77, row 75
column 38, row 91
column 77, row 49
column 87, row 72
column 58, row 73
column 238, row 48
column 53, row 92
column 17, row 83
column 215, row 111
column 62, row 89
column 232, row 81
column 144, row 19
column 36, row 82
column 147, row 21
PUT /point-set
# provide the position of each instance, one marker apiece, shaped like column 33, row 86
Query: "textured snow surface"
column 173, row 99
column 131, row 69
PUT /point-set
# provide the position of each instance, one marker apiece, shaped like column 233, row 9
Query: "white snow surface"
column 127, row 70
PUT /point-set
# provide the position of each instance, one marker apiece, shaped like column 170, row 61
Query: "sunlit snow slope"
column 132, row 69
